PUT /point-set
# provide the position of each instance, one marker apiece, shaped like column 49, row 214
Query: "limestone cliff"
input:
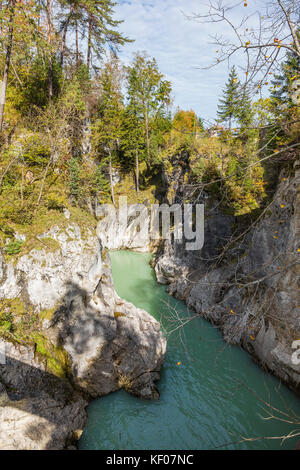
column 247, row 283
column 67, row 337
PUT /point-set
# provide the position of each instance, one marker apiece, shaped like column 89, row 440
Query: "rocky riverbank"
column 246, row 283
column 68, row 338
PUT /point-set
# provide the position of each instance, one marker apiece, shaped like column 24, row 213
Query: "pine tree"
column 244, row 111
column 132, row 141
column 229, row 106
column 93, row 20
column 282, row 83
column 107, row 128
column 148, row 93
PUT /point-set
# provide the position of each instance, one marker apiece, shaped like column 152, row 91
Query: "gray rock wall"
column 252, row 293
column 109, row 343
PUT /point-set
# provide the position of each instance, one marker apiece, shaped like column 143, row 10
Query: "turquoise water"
column 201, row 405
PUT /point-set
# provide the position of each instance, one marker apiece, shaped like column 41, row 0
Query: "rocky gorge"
column 84, row 341
column 245, row 282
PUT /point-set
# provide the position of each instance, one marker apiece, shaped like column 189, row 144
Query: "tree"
column 107, row 127
column 102, row 28
column 245, row 113
column 132, row 141
column 264, row 36
column 281, row 92
column 94, row 21
column 148, row 93
column 10, row 36
column 187, row 122
column 229, row 106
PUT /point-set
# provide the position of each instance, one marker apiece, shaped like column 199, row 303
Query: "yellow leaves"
column 294, row 77
column 247, row 43
column 119, row 314
column 266, row 83
column 252, row 337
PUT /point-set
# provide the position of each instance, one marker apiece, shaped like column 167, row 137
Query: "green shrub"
column 13, row 247
column 36, row 152
column 54, row 201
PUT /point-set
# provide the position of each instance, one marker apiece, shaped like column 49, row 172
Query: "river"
column 211, row 392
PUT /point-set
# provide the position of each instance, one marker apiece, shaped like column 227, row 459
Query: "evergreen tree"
column 148, row 94
column 107, row 128
column 229, row 106
column 282, row 83
column 100, row 185
column 133, row 142
column 244, row 112
column 92, row 20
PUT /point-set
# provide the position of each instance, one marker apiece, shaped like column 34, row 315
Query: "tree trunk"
column 89, row 48
column 76, row 41
column 111, row 180
column 7, row 61
column 64, row 37
column 147, row 139
column 137, row 170
column 50, row 72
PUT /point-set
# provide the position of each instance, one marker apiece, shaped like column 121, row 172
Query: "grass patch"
column 19, row 324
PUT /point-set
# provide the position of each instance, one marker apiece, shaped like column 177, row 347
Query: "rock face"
column 252, row 292
column 37, row 410
column 108, row 342
column 124, row 228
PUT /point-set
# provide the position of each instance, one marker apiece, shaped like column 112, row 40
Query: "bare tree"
column 263, row 35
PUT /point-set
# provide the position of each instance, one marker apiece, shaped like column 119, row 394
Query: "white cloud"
column 180, row 47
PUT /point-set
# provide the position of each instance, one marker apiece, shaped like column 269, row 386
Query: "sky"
column 180, row 46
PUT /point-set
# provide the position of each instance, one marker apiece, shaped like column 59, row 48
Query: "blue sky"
column 181, row 47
